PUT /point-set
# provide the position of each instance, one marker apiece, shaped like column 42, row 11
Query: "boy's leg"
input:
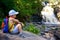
column 19, row 28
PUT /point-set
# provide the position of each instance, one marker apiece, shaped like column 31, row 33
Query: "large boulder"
column 28, row 36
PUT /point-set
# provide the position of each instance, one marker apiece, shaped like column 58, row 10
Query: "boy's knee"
column 19, row 24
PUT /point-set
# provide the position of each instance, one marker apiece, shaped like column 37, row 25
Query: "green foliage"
column 25, row 7
column 1, row 13
column 32, row 28
column 0, row 22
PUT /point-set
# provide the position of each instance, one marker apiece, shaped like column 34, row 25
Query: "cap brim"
column 14, row 13
column 17, row 13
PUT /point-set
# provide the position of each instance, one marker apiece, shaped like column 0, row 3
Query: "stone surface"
column 29, row 36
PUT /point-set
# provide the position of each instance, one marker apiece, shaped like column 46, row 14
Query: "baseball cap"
column 13, row 12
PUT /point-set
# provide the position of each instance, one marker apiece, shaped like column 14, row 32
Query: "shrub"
column 32, row 28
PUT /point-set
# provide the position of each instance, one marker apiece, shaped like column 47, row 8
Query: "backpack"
column 5, row 25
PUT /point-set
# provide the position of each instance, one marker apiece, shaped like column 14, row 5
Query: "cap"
column 13, row 12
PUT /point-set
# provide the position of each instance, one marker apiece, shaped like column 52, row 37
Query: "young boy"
column 14, row 25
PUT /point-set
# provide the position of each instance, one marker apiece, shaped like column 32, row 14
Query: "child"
column 14, row 25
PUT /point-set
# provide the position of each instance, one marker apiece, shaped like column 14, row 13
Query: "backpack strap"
column 11, row 27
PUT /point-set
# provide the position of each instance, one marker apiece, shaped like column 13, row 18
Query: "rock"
column 3, row 37
column 57, row 33
column 29, row 36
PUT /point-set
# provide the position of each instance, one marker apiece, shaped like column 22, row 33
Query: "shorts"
column 15, row 30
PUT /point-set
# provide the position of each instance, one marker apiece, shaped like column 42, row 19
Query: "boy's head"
column 13, row 13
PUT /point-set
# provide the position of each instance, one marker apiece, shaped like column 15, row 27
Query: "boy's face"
column 14, row 16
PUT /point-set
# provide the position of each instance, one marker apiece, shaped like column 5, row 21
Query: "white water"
column 48, row 15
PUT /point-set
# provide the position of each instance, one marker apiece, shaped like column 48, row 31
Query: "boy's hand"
column 21, row 23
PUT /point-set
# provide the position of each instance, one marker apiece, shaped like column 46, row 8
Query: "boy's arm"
column 15, row 20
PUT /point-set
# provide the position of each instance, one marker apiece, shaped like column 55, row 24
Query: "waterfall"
column 48, row 15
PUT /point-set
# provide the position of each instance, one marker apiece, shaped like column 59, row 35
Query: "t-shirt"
column 11, row 24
